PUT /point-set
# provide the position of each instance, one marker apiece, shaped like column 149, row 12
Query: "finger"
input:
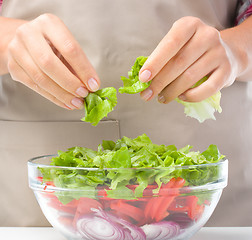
column 44, row 57
column 212, row 85
column 201, row 68
column 188, row 55
column 65, row 43
column 24, row 60
column 180, row 33
column 18, row 74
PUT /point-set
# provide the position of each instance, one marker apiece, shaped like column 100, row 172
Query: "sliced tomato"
column 101, row 191
column 48, row 183
column 191, row 203
column 178, row 205
column 147, row 191
column 122, row 207
column 195, row 210
column 199, row 211
column 156, row 208
column 68, row 208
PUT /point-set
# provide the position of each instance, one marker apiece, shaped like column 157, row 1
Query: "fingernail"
column 78, row 103
column 82, row 92
column 68, row 107
column 146, row 94
column 93, row 85
column 161, row 99
column 145, row 76
column 182, row 97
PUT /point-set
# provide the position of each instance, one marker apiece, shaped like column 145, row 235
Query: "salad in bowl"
column 129, row 189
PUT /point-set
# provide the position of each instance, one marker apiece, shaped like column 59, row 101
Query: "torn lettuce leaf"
column 98, row 104
column 132, row 85
column 205, row 109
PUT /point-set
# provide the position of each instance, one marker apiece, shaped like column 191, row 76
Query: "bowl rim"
column 223, row 163
column 32, row 163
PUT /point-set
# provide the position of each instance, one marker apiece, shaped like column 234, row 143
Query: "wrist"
column 238, row 39
column 239, row 55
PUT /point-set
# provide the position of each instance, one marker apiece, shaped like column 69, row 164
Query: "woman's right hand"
column 44, row 56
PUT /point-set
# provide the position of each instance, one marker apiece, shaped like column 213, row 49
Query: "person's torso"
column 112, row 34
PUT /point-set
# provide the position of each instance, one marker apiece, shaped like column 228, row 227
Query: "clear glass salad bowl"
column 175, row 209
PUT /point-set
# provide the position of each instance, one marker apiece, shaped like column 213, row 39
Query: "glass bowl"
column 175, row 209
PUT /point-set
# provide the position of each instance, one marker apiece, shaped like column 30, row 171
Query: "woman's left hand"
column 189, row 51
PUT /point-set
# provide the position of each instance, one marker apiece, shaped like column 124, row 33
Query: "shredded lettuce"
column 115, row 164
column 132, row 85
column 199, row 110
column 99, row 104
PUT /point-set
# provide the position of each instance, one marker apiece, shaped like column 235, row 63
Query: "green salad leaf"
column 98, row 104
column 128, row 161
column 132, row 85
column 205, row 109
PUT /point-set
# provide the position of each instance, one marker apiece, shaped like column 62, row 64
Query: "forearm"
column 239, row 39
column 7, row 32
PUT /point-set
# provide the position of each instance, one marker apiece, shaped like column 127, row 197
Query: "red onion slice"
column 161, row 230
column 103, row 226
column 96, row 228
column 136, row 232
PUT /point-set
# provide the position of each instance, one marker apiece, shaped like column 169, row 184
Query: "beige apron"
column 113, row 34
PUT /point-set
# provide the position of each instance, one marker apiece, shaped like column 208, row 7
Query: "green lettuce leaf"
column 205, row 109
column 99, row 104
column 132, row 85
column 121, row 192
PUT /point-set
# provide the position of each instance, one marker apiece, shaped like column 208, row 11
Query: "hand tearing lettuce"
column 98, row 104
column 132, row 84
column 200, row 110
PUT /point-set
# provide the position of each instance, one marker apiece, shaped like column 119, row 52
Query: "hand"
column 189, row 51
column 44, row 56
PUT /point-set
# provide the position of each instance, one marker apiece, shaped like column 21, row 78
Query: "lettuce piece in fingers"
column 98, row 104
column 205, row 109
